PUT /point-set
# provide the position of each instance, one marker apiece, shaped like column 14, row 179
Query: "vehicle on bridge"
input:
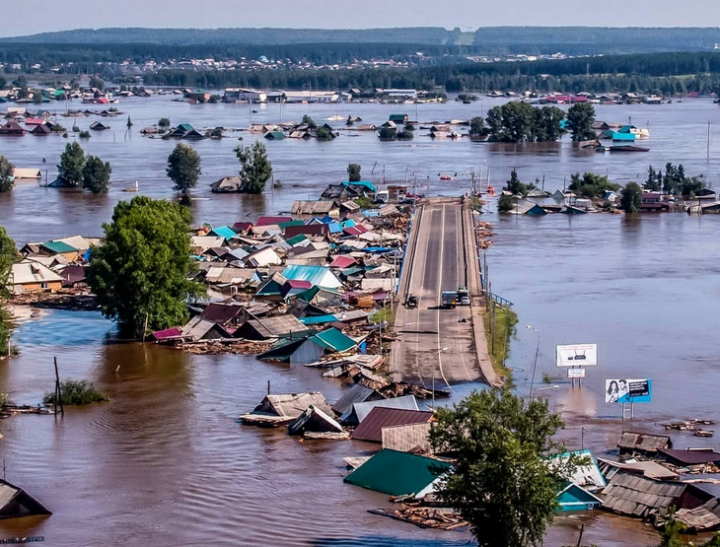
column 412, row 301
column 449, row 299
column 463, row 296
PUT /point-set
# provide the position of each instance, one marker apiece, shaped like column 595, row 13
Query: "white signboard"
column 576, row 355
column 576, row 373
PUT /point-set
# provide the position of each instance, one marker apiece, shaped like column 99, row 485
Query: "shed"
column 41, row 130
column 263, row 257
column 398, row 473
column 642, row 443
column 315, row 347
column 272, row 286
column 52, row 248
column 16, row 503
column 380, row 417
column 398, row 118
column 283, row 326
column 525, row 207
column 99, row 126
column 274, row 135
column 21, row 174
column 224, row 315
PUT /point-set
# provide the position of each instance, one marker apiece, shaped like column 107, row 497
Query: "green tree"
column 511, row 122
column 387, row 134
column 140, row 272
column 405, row 135
column 654, row 180
column 591, row 185
column 164, row 122
column 477, row 126
column 324, row 133
column 7, row 180
column 547, row 124
column 307, row 120
column 580, row 120
column 631, row 198
column 714, row 542
column 353, row 172
column 3, row 83
column 183, row 167
column 503, row 481
column 97, row 83
column 37, row 97
column 514, row 186
column 8, row 256
column 256, row 167
column 505, row 203
column 20, row 81
column 96, row 175
column 671, row 530
column 72, row 162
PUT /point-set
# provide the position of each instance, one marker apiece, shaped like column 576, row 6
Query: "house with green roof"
column 398, row 118
column 399, row 473
column 318, row 345
column 53, row 248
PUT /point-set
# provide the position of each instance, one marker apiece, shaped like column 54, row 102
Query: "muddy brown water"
column 165, row 462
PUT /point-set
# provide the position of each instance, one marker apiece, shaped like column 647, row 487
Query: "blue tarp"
column 377, row 249
column 365, row 184
column 224, row 231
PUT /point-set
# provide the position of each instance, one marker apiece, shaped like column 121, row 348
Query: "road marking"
column 439, row 308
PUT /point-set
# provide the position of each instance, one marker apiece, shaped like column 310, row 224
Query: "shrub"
column 84, row 134
column 77, row 392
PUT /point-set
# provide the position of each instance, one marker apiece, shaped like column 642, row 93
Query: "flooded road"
column 165, row 463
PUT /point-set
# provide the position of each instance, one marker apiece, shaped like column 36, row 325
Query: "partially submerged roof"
column 319, row 276
column 292, row 405
column 649, row 469
column 358, row 393
column 643, row 442
column 15, row 502
column 312, row 207
column 58, row 247
column 29, row 271
column 379, row 417
column 639, row 496
column 587, row 474
column 334, row 340
column 316, row 420
column 690, row 456
column 272, row 327
column 361, row 410
column 397, row 473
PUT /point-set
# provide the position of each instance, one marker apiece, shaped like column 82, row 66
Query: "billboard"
column 628, row 390
column 576, row 355
column 576, row 373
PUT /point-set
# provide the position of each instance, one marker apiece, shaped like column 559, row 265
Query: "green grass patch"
column 384, row 314
column 77, row 392
column 498, row 340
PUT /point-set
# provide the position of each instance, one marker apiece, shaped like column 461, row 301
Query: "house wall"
column 51, row 286
column 308, row 352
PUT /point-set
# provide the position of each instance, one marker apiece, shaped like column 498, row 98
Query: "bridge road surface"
column 435, row 341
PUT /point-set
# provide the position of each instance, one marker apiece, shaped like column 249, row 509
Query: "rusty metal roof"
column 371, row 427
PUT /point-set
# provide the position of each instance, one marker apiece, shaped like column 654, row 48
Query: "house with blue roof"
column 364, row 185
column 223, row 231
column 319, row 276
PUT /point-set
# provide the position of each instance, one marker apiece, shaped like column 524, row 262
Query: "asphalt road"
column 435, row 342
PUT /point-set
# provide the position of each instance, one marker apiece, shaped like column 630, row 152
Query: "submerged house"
column 276, row 410
column 379, row 418
column 16, row 503
column 282, row 326
column 226, row 185
column 399, row 474
column 12, row 129
column 642, row 443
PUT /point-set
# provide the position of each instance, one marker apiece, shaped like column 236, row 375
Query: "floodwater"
column 165, row 463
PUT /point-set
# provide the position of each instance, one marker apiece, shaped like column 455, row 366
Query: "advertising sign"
column 628, row 391
column 576, row 373
column 577, row 355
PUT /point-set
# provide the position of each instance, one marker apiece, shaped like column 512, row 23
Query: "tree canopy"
column 505, row 480
column 256, row 167
column 581, row 117
column 353, row 172
column 517, row 122
column 183, row 167
column 7, row 182
column 477, row 125
column 96, row 175
column 140, row 272
column 631, row 198
column 8, row 256
column 591, row 185
column 72, row 162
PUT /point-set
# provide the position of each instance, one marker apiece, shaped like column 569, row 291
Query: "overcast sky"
column 48, row 15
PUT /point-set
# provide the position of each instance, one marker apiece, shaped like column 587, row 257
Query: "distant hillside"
column 242, row 36
column 596, row 40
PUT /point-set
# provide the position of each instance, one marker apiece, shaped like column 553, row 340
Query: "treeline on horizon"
column 531, row 40
column 666, row 73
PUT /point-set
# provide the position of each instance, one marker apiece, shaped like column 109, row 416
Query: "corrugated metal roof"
column 643, row 442
column 397, row 473
column 690, row 457
column 371, row 427
column 334, row 340
column 319, row 276
column 58, row 247
column 638, row 496
column 312, row 207
column 358, row 393
column 363, row 409
column 29, row 271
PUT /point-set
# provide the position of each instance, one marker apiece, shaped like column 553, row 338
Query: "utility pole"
column 58, row 391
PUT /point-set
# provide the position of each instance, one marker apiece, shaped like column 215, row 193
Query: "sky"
column 465, row 14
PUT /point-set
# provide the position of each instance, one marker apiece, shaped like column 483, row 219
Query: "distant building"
column 240, row 95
